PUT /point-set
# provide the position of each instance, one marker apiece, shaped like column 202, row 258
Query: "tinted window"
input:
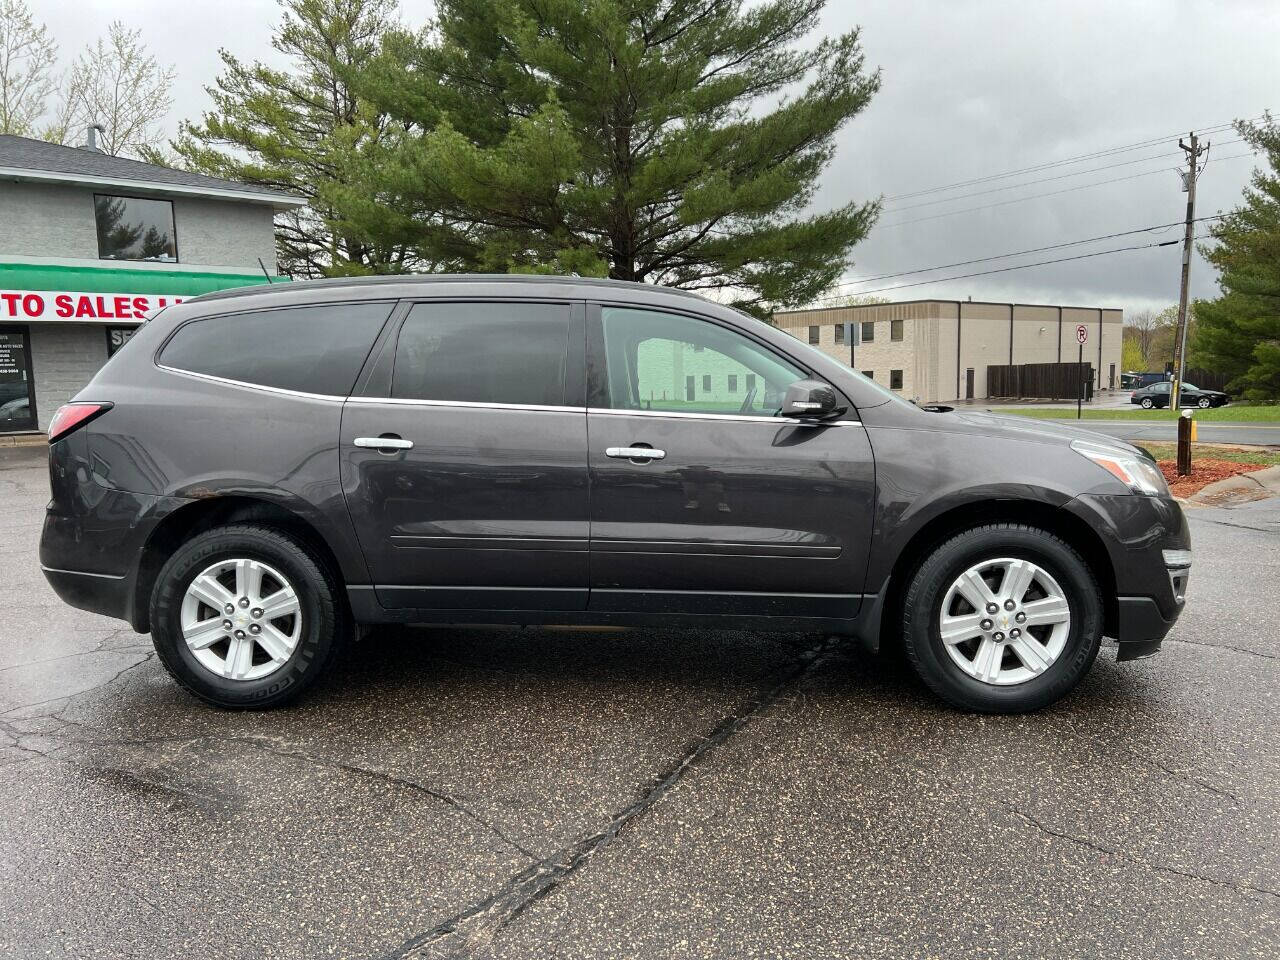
column 895, row 329
column 311, row 349
column 895, row 379
column 813, row 334
column 131, row 228
column 868, row 331
column 839, row 333
column 654, row 362
column 483, row 353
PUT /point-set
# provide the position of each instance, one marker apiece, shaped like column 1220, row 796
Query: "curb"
column 1243, row 487
column 24, row 440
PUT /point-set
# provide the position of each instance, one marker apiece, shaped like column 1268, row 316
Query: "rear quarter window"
column 311, row 349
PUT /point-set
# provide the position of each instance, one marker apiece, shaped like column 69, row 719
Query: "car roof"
column 425, row 281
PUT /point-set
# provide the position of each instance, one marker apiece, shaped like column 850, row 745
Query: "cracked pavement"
column 508, row 793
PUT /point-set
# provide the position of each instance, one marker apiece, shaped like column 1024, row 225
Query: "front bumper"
column 1149, row 546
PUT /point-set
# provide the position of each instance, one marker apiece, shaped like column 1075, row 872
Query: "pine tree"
column 1239, row 332
column 302, row 130
column 667, row 141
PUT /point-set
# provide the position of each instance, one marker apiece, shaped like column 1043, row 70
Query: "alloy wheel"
column 241, row 619
column 1004, row 621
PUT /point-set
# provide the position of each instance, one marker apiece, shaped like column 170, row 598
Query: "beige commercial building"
column 939, row 350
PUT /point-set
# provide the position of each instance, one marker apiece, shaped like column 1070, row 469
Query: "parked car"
column 256, row 471
column 1160, row 394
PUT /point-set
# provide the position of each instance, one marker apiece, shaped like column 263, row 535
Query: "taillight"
column 73, row 415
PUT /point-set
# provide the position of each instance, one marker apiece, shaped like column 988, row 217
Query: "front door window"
column 664, row 361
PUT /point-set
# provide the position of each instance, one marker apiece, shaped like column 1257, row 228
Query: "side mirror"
column 811, row 400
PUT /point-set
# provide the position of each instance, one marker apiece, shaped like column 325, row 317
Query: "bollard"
column 1185, row 426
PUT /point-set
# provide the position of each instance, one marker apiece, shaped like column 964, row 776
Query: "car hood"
column 1025, row 428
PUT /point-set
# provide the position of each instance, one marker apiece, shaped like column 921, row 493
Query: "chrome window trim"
column 280, row 391
column 467, row 404
column 743, row 418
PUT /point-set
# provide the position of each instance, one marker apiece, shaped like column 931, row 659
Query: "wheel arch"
column 198, row 516
column 940, row 528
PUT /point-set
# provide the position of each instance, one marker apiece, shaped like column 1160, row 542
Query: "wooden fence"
column 1041, row 381
column 1208, row 379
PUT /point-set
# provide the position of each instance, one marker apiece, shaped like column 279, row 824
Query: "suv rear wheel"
column 245, row 617
column 1002, row 619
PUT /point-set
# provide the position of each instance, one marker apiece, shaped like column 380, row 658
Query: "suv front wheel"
column 245, row 617
column 1002, row 618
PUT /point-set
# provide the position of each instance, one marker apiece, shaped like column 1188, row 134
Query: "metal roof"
column 22, row 158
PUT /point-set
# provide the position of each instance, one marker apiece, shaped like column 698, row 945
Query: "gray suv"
column 258, row 471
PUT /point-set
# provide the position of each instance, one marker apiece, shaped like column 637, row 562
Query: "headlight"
column 1134, row 471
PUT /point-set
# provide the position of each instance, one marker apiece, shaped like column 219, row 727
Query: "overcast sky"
column 970, row 89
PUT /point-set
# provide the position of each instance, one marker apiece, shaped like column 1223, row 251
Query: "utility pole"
column 1194, row 151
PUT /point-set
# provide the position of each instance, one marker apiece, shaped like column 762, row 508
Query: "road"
column 508, row 794
column 1250, row 433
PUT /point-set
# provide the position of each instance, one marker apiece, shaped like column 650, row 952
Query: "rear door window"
column 311, row 349
column 483, row 352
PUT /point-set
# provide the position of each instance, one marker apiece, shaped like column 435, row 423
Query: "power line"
column 1035, row 168
column 1060, row 176
column 1022, row 266
column 1020, row 253
column 1038, row 196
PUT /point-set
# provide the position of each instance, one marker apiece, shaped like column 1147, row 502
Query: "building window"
column 813, row 334
column 895, row 379
column 895, row 329
column 688, row 388
column 869, row 374
column 751, row 382
column 839, row 333
column 868, row 331
column 706, row 383
column 131, row 228
column 733, row 383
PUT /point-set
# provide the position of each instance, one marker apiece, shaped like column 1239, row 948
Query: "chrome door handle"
column 383, row 443
column 634, row 453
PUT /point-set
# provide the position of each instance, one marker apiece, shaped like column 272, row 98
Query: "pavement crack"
column 465, row 932
column 1180, row 775
column 1224, row 646
column 1238, row 526
column 272, row 747
column 1093, row 845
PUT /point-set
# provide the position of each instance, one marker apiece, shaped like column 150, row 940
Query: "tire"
column 280, row 559
column 1147, row 403
column 1078, row 640
column 1204, row 403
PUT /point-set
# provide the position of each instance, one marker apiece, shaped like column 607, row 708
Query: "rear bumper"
column 104, row 593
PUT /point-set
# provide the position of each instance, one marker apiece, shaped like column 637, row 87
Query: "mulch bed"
column 1203, row 473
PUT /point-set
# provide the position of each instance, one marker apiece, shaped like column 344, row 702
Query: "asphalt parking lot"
column 504, row 793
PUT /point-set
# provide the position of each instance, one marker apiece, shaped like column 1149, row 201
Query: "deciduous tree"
column 27, row 59
column 119, row 84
